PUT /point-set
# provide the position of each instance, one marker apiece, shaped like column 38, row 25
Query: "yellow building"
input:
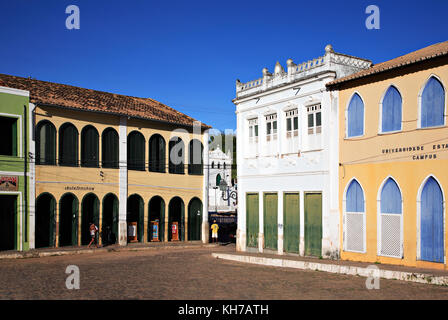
column 132, row 166
column 393, row 153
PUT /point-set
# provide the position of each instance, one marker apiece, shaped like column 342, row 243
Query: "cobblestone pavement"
column 190, row 274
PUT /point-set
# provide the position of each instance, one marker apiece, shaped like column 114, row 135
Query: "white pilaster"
column 205, row 224
column 32, row 179
column 123, row 182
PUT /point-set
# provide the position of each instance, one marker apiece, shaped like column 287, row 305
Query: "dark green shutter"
column 194, row 220
column 270, row 221
column 74, row 219
column 52, row 222
column 109, row 148
column 89, row 146
column 68, row 145
column 313, row 224
column 252, row 220
column 291, row 222
column 140, row 220
column 136, row 151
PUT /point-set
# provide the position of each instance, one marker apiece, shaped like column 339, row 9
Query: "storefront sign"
column 9, row 183
column 75, row 188
column 435, row 148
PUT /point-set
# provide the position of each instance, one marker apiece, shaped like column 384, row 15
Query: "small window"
column 355, row 117
column 314, row 119
column 271, row 127
column 391, row 112
column 292, row 123
column 8, row 131
column 253, row 131
column 433, row 104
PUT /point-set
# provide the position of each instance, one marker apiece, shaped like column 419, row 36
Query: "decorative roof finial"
column 329, row 48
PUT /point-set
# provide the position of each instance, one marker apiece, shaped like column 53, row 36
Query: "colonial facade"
column 16, row 171
column 220, row 169
column 287, row 156
column 393, row 155
column 130, row 165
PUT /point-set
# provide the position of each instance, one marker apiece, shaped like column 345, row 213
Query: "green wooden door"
column 74, row 222
column 270, row 221
column 252, row 220
column 291, row 222
column 194, row 220
column 313, row 224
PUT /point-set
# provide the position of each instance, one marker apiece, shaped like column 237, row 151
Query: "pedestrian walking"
column 214, row 228
column 93, row 231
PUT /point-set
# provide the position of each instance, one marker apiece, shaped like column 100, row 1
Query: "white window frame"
column 253, row 134
column 291, row 115
column 379, row 217
column 314, row 110
column 271, row 119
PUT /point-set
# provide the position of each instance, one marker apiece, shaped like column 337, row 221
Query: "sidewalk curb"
column 28, row 254
column 333, row 268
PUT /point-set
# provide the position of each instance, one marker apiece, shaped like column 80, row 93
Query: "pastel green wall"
column 12, row 104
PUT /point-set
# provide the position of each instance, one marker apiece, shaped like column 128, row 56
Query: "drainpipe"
column 25, row 153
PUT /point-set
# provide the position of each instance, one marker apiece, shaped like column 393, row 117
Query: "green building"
column 16, row 176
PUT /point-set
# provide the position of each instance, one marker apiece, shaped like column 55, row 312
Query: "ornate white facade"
column 287, row 142
column 220, row 168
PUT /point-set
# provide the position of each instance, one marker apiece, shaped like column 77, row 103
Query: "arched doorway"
column 8, row 222
column 176, row 213
column 135, row 214
column 156, row 212
column 431, row 222
column 109, row 221
column 194, row 219
column 68, row 220
column 90, row 212
column 45, row 221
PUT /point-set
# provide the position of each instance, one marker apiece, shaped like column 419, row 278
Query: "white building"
column 287, row 156
column 220, row 169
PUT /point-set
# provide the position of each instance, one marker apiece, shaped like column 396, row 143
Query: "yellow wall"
column 364, row 158
column 55, row 179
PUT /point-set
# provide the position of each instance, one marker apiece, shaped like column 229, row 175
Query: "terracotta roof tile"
column 62, row 95
column 433, row 51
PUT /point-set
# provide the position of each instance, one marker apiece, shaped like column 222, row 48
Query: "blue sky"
column 188, row 54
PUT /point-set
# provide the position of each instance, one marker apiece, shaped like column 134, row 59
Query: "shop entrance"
column 176, row 214
column 68, row 220
column 45, row 221
column 156, row 213
column 8, row 222
column 89, row 214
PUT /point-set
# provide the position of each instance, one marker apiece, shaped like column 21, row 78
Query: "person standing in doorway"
column 214, row 228
column 93, row 231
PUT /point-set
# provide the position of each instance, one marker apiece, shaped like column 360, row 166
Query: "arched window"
column 433, row 104
column 89, row 147
column 219, row 165
column 218, row 179
column 136, row 151
column 176, row 156
column 45, row 143
column 196, row 150
column 354, row 235
column 391, row 111
column 355, row 117
column 157, row 153
column 390, row 220
column 109, row 148
column 68, row 145
column 432, row 222
column 213, row 164
column 224, row 165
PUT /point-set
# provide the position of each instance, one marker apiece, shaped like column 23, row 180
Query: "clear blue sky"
column 188, row 54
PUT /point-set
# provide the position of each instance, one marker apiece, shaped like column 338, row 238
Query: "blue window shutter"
column 391, row 113
column 391, row 198
column 355, row 117
column 433, row 104
column 431, row 220
column 355, row 198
